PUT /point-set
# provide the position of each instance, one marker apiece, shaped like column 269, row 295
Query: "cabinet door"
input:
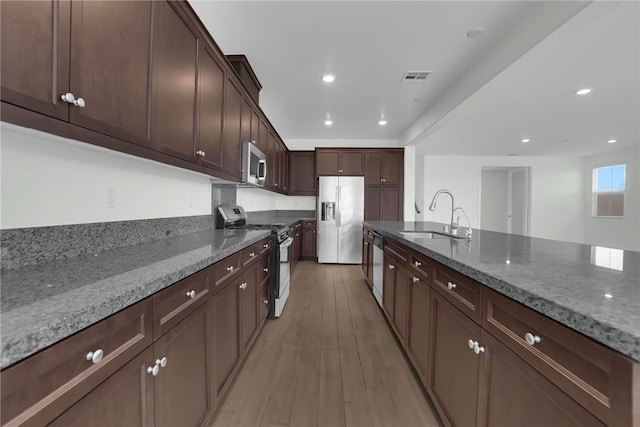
column 392, row 167
column 453, row 366
column 514, row 394
column 391, row 203
column 401, row 301
column 370, row 262
column 211, row 84
column 248, row 305
column 309, row 241
column 126, row 398
column 246, row 113
column 302, row 175
column 183, row 392
column 351, row 163
column 255, row 128
column 226, row 334
column 176, row 51
column 372, row 200
column 34, row 52
column 417, row 338
column 263, row 137
column 232, row 141
column 284, row 169
column 327, row 162
column 110, row 68
column 388, row 286
column 272, row 161
column 372, row 167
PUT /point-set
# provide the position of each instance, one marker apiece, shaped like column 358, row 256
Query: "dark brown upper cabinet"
column 232, row 141
column 211, row 108
column 56, row 50
column 384, row 166
column 176, row 57
column 336, row 162
column 302, row 176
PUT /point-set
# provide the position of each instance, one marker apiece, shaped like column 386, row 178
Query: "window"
column 608, row 191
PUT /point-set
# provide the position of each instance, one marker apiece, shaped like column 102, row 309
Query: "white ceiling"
column 484, row 94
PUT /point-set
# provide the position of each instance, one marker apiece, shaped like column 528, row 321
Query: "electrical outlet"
column 111, row 197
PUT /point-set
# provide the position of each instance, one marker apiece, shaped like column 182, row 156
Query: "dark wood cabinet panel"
column 211, row 107
column 183, row 394
column 418, row 336
column 461, row 291
column 176, row 51
column 111, row 68
column 335, row 162
column 302, row 173
column 34, row 55
column 392, row 167
column 284, row 169
column 367, row 255
column 309, row 240
column 372, row 167
column 327, row 162
column 372, row 201
column 255, row 128
column 391, row 203
column 511, row 392
column 401, row 301
column 248, row 305
column 453, row 365
column 232, row 141
column 246, row 113
column 125, row 399
column 389, row 285
column 263, row 136
column 351, row 163
column 226, row 334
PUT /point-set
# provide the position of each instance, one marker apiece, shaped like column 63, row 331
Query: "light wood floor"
column 330, row 360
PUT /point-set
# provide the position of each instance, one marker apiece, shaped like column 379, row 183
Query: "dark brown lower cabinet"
column 453, row 365
column 401, row 301
column 389, row 288
column 383, row 203
column 226, row 335
column 183, row 392
column 248, row 305
column 308, row 249
column 417, row 337
column 126, row 398
column 514, row 394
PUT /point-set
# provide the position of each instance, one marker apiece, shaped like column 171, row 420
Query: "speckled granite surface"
column 279, row 217
column 558, row 279
column 38, row 245
column 42, row 304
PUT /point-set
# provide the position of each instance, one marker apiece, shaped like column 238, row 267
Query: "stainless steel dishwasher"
column 378, row 247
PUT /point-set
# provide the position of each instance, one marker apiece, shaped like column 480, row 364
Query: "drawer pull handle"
column 391, row 266
column 95, row 356
column 230, row 268
column 252, row 254
column 266, row 301
column 415, row 279
column 417, row 263
column 451, row 285
column 191, row 293
column 531, row 339
column 266, row 270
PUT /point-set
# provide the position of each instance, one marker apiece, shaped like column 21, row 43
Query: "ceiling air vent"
column 415, row 76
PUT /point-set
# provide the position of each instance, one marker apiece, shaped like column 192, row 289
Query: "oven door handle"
column 286, row 243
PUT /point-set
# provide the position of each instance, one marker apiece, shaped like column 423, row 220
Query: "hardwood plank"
column 383, row 409
column 329, row 316
column 305, row 401
column 282, row 391
column 358, row 414
column 353, row 385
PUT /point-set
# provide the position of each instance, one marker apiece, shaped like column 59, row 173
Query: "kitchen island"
column 499, row 292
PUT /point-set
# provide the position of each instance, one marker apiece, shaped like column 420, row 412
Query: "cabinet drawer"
column 176, row 302
column 38, row 389
column 264, row 269
column 250, row 254
column 597, row 377
column 225, row 269
column 310, row 225
column 460, row 290
column 420, row 264
column 396, row 250
column 264, row 246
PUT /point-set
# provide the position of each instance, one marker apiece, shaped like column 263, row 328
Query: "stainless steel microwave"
column 254, row 164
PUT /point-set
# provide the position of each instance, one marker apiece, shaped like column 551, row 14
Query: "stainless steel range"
column 234, row 216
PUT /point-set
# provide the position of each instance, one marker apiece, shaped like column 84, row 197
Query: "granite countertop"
column 43, row 304
column 279, row 217
column 593, row 290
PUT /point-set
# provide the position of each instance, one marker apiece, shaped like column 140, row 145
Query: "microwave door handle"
column 262, row 169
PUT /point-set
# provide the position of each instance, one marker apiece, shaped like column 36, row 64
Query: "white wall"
column 49, row 180
column 621, row 233
column 494, row 199
column 557, row 196
column 256, row 199
column 409, row 183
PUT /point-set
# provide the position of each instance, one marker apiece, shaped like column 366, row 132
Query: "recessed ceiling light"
column 583, row 91
column 612, row 141
column 328, row 122
column 328, row 78
column 525, row 140
column 382, row 122
column 609, row 296
column 474, row 33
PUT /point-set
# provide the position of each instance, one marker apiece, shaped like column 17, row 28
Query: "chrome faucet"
column 432, row 207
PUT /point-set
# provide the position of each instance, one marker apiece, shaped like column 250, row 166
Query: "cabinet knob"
column 191, row 293
column 391, row 266
column 266, row 270
column 477, row 349
column 200, row 153
column 253, row 142
column 417, row 263
column 415, row 279
column 153, row 370
column 340, row 170
column 276, row 184
column 531, row 339
column 252, row 254
column 79, row 103
column 383, row 180
column 451, row 285
column 266, row 301
column 266, row 246
column 243, row 286
column 314, row 231
column 162, row 362
column 68, row 97
column 230, row 268
column 471, row 343
column 95, row 356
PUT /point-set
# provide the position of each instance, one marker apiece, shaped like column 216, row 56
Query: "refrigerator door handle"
column 338, row 213
column 338, row 218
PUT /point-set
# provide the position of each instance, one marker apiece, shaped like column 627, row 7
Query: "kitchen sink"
column 430, row 235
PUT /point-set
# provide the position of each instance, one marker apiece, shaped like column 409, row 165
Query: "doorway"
column 505, row 199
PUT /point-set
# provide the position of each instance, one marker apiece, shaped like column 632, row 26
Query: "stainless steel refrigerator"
column 340, row 215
